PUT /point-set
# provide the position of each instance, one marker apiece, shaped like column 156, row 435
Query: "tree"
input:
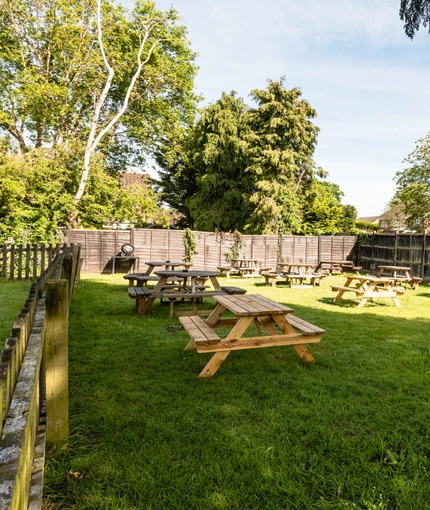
column 414, row 13
column 394, row 214
column 413, row 185
column 219, row 157
column 102, row 80
column 324, row 212
column 282, row 141
column 250, row 167
column 36, row 196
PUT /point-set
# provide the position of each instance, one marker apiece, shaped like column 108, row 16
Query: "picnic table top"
column 251, row 304
column 188, row 272
column 395, row 268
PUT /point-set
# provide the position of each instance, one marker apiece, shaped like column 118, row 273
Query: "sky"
column 368, row 82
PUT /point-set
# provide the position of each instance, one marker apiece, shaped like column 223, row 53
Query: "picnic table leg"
column 142, row 305
column 286, row 327
column 396, row 301
column 218, row 358
column 214, row 363
column 215, row 315
column 191, row 345
column 362, row 302
column 304, row 354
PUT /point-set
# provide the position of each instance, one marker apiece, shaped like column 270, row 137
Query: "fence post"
column 395, row 248
column 56, row 359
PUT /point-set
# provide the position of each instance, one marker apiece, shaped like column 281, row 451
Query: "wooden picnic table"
column 246, row 267
column 301, row 268
column 400, row 275
column 336, row 266
column 142, row 279
column 167, row 264
column 274, row 325
column 397, row 272
column 181, row 285
column 368, row 287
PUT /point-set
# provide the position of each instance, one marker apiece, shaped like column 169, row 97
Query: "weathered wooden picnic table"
column 368, row 287
column 337, row 266
column 166, row 264
column 142, row 279
column 246, row 267
column 274, row 325
column 400, row 274
column 188, row 285
column 293, row 272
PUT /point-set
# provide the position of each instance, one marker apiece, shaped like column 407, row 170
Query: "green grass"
column 266, row 432
column 12, row 298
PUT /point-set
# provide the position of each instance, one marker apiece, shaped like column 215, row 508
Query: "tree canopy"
column 413, row 186
column 414, row 13
column 251, row 169
column 69, row 67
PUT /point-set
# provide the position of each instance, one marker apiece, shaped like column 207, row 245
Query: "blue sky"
column 368, row 82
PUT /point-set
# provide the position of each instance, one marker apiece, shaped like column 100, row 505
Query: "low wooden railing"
column 34, row 378
column 26, row 262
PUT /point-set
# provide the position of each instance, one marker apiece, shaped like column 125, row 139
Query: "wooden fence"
column 34, row 373
column 99, row 246
column 26, row 262
column 407, row 250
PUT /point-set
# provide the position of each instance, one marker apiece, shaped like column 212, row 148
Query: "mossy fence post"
column 56, row 359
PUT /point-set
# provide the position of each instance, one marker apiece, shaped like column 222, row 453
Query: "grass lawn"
column 12, row 299
column 266, row 432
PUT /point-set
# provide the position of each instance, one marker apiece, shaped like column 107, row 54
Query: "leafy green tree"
column 413, row 185
column 324, row 212
column 252, row 169
column 98, row 79
column 36, row 195
column 414, row 13
column 282, row 141
column 177, row 176
column 220, row 159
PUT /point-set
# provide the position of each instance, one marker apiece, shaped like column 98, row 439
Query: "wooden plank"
column 257, row 342
column 303, row 326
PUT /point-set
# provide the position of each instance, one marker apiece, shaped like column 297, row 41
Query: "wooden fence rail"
column 33, row 361
column 26, row 262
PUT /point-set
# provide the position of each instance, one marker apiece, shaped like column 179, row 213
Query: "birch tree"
column 90, row 75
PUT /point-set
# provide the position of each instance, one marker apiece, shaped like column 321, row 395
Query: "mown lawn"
column 266, row 432
column 12, row 299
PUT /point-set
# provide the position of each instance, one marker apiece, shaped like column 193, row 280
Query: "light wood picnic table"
column 397, row 272
column 337, row 265
column 246, row 267
column 300, row 268
column 274, row 324
column 368, row 287
column 400, row 275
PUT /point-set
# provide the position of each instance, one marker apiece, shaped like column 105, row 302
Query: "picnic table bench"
column 274, row 324
column 400, row 275
column 271, row 278
column 337, row 266
column 368, row 287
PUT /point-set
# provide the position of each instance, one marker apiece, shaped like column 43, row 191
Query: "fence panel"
column 408, row 250
column 157, row 244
